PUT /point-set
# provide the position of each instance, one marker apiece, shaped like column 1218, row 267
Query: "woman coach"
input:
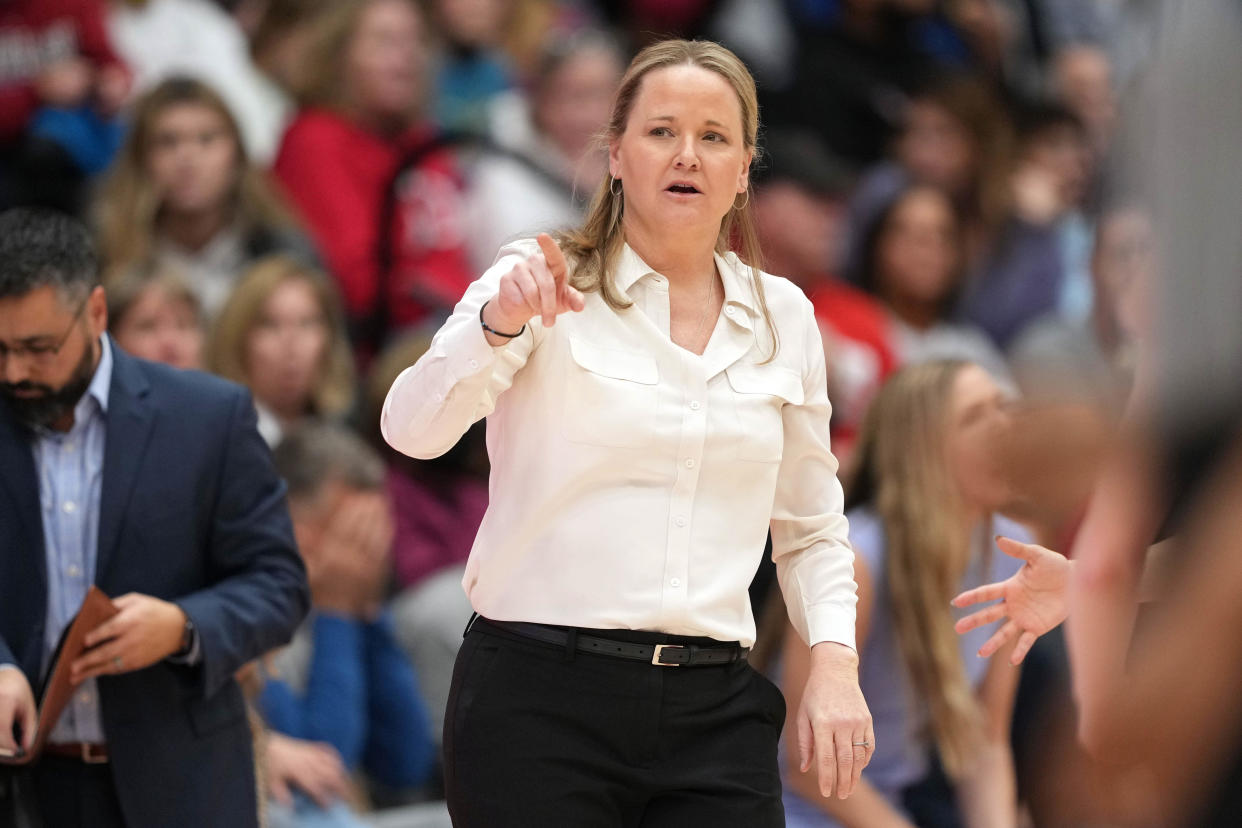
column 641, row 447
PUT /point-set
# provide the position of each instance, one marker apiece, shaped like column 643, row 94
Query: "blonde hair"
column 333, row 394
column 323, row 75
column 904, row 475
column 128, row 204
column 594, row 246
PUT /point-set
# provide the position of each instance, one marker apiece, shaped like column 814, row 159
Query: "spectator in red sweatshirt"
column 61, row 85
column 361, row 112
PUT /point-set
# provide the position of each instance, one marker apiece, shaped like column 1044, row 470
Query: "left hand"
column 315, row 768
column 374, row 531
column 351, row 565
column 1032, row 600
column 146, row 630
column 833, row 720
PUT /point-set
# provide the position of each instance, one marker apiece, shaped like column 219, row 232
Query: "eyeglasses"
column 38, row 353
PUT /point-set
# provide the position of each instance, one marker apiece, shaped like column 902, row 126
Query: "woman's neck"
column 921, row 316
column 385, row 125
column 287, row 413
column 193, row 231
column 685, row 257
column 973, row 518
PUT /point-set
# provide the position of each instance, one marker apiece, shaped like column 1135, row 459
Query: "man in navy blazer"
column 155, row 485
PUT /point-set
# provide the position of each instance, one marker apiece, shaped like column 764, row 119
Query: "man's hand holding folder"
column 17, row 713
column 143, row 631
column 22, row 733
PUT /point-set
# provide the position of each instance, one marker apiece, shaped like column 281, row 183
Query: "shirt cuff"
column 828, row 622
column 469, row 352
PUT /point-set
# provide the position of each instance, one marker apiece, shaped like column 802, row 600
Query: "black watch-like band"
column 493, row 330
column 187, row 639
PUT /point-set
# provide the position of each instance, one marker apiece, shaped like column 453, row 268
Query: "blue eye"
column 660, row 131
column 713, row 136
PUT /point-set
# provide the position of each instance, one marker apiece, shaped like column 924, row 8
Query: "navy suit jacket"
column 191, row 511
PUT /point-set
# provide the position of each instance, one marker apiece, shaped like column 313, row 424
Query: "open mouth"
column 684, row 189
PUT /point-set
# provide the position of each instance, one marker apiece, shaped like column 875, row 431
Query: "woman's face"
column 286, row 349
column 918, row 251
column 473, row 22
column 572, row 106
column 193, row 159
column 978, row 423
column 682, row 159
column 384, row 60
column 162, row 327
column 936, row 148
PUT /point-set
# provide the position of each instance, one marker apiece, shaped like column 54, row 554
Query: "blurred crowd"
column 293, row 194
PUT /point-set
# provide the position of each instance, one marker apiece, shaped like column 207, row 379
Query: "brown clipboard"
column 96, row 608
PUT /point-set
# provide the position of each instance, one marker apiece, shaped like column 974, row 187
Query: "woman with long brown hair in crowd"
column 282, row 335
column 361, row 109
column 923, row 516
column 183, row 196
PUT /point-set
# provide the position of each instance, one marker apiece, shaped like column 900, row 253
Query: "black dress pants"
column 74, row 794
column 536, row 735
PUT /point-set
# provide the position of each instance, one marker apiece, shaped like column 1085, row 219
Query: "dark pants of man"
column 537, row 735
column 74, row 794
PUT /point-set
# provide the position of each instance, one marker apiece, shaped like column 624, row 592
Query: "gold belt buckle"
column 659, row 648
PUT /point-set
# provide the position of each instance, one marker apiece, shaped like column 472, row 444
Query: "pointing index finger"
column 554, row 258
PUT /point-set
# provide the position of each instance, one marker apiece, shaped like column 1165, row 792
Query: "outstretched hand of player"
column 1032, row 600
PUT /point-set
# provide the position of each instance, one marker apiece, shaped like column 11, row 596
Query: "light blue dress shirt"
column 70, row 470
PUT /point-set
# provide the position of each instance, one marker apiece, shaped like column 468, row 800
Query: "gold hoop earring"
column 742, row 206
column 615, row 193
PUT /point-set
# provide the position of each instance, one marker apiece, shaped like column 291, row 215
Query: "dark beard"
column 53, row 403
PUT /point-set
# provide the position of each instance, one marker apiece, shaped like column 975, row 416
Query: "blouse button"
column 681, row 521
column 689, row 463
column 694, row 405
column 675, row 582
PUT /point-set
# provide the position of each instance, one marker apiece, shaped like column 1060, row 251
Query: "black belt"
column 90, row 753
column 661, row 655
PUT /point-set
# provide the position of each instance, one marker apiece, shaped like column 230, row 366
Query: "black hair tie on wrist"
column 493, row 330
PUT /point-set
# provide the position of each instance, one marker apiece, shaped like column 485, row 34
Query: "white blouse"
column 633, row 482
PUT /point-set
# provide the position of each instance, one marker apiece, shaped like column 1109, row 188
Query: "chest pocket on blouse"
column 610, row 396
column 760, row 391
